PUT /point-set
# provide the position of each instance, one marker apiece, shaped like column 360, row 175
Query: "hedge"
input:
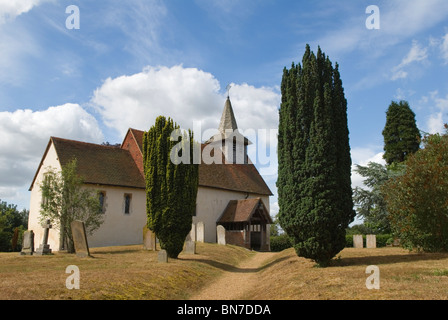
column 282, row 242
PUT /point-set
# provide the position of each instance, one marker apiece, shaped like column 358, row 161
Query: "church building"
column 231, row 193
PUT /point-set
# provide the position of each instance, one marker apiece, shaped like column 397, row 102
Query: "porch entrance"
column 247, row 224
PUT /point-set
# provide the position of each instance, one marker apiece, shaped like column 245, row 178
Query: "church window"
column 127, row 203
column 102, row 198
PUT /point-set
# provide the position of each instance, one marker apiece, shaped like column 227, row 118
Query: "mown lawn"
column 114, row 273
column 132, row 273
column 402, row 275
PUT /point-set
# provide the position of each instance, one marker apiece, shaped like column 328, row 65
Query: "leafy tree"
column 11, row 221
column 417, row 200
column 401, row 135
column 171, row 187
column 67, row 199
column 370, row 202
column 314, row 180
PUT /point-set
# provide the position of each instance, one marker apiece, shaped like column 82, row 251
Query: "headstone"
column 221, row 232
column 190, row 247
column 149, row 239
column 28, row 243
column 193, row 232
column 371, row 241
column 358, row 241
column 162, row 256
column 200, row 232
column 44, row 248
column 80, row 239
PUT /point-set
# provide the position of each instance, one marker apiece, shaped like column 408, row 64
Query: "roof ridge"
column 83, row 142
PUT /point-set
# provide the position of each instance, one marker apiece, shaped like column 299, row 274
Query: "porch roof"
column 243, row 210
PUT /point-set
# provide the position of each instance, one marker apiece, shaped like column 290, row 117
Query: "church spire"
column 228, row 121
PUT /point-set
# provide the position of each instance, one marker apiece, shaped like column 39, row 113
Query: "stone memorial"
column 190, row 247
column 190, row 244
column 358, row 241
column 193, row 232
column 371, row 241
column 200, row 231
column 149, row 239
column 162, row 256
column 44, row 248
column 28, row 243
column 80, row 239
column 221, row 233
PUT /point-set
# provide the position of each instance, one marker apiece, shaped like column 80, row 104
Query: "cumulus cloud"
column 25, row 134
column 188, row 95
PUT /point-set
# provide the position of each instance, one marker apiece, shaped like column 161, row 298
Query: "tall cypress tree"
column 314, row 178
column 401, row 135
column 171, row 188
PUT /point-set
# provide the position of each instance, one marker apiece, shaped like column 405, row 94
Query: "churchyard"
column 130, row 272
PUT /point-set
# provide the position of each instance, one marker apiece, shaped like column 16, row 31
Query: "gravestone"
column 80, row 239
column 44, row 248
column 149, row 239
column 358, row 241
column 162, row 256
column 28, row 243
column 371, row 241
column 193, row 232
column 190, row 245
column 200, row 232
column 221, row 233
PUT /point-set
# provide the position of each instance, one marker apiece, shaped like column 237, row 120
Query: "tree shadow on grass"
column 387, row 259
column 235, row 269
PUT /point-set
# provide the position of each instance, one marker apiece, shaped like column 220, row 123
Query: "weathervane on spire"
column 228, row 89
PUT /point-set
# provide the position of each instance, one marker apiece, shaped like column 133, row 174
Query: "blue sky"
column 133, row 60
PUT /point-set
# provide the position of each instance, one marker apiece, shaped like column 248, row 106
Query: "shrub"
column 281, row 242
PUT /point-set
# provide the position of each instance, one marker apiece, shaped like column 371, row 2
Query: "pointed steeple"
column 231, row 142
column 228, row 121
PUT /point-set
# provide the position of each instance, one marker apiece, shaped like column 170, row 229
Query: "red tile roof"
column 242, row 211
column 234, row 177
column 98, row 164
column 106, row 165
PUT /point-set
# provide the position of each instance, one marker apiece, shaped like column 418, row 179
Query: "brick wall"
column 130, row 144
column 236, row 238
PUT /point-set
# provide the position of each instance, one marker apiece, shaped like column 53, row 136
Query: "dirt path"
column 234, row 283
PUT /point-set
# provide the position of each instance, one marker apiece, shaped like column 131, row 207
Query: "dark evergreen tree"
column 314, row 178
column 171, row 188
column 401, row 135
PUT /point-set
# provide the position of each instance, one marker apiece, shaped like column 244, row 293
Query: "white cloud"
column 192, row 98
column 25, row 134
column 10, row 9
column 415, row 54
column 435, row 123
column 362, row 156
column 187, row 95
column 438, row 110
